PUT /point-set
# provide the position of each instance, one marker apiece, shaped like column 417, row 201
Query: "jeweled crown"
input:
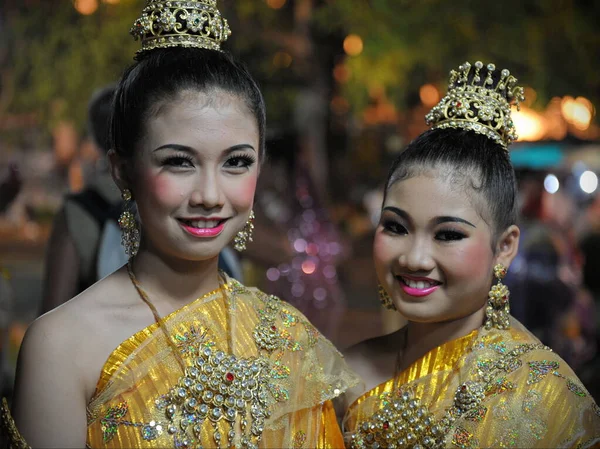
column 479, row 100
column 180, row 24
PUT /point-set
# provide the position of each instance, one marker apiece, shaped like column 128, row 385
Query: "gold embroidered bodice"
column 487, row 389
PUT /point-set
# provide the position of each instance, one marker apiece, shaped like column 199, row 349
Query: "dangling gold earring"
column 130, row 234
column 245, row 235
column 498, row 309
column 385, row 299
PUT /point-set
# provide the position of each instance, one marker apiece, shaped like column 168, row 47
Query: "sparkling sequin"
column 476, row 415
column 539, row 370
column 538, row 428
column 576, row 389
column 288, row 318
column 501, row 385
column 509, row 439
column 190, row 341
column 464, row 439
column 112, row 419
column 532, row 400
column 299, row 439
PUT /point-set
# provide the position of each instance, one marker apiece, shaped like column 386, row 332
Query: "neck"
column 423, row 337
column 172, row 280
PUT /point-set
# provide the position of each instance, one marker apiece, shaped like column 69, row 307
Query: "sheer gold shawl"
column 487, row 389
column 235, row 367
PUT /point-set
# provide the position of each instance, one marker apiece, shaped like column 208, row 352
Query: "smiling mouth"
column 202, row 224
column 420, row 284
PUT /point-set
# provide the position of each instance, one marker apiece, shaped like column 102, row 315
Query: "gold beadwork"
column 130, row 233
column 166, row 24
column 498, row 308
column 245, row 235
column 385, row 298
column 478, row 104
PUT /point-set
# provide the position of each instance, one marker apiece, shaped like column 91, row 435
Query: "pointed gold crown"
column 478, row 102
column 180, row 24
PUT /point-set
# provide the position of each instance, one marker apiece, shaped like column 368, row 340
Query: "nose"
column 207, row 191
column 418, row 257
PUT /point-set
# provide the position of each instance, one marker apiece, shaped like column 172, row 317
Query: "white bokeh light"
column 588, row 181
column 551, row 183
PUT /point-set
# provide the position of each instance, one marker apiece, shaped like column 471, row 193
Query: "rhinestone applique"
column 402, row 423
column 220, row 387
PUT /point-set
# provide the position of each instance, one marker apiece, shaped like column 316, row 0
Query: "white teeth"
column 420, row 285
column 203, row 224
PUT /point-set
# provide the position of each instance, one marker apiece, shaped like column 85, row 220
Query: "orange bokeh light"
column 276, row 4
column 429, row 95
column 353, row 45
column 85, row 7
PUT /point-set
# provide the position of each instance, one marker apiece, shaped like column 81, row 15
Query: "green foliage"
column 58, row 57
column 549, row 45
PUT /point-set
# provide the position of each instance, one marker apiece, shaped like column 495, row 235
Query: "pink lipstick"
column 419, row 286
column 202, row 232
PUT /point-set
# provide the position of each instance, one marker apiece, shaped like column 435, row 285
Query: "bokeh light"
column 588, row 181
column 429, row 95
column 276, row 4
column 353, row 45
column 551, row 183
column 85, row 7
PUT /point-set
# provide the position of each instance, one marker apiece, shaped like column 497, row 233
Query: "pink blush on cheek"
column 162, row 189
column 471, row 260
column 244, row 190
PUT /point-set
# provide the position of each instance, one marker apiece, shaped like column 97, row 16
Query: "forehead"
column 214, row 120
column 432, row 194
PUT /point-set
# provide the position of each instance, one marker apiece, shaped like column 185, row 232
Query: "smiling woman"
column 462, row 373
column 168, row 351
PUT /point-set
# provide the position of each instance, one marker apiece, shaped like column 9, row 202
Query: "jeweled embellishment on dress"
column 402, row 423
column 220, row 387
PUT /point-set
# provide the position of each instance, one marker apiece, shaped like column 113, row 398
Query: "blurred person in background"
column 84, row 245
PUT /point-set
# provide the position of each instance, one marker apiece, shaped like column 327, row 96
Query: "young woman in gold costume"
column 167, row 351
column 462, row 373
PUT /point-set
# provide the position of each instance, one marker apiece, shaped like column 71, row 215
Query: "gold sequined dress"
column 241, row 369
column 491, row 388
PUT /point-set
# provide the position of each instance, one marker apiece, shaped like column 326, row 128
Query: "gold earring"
column 386, row 300
column 130, row 233
column 245, row 235
column 498, row 309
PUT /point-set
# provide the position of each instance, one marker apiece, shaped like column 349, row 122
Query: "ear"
column 118, row 170
column 508, row 246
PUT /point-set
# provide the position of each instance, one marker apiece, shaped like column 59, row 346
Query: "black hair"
column 99, row 112
column 468, row 157
column 160, row 75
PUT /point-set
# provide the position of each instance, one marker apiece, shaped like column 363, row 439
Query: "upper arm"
column 62, row 266
column 49, row 404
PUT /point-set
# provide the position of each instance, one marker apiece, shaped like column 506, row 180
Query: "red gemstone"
column 458, row 104
column 386, row 425
column 463, row 388
column 230, row 377
column 273, row 328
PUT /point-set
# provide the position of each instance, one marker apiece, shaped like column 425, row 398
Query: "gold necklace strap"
column 161, row 324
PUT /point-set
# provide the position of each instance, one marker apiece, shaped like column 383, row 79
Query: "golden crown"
column 180, row 24
column 477, row 102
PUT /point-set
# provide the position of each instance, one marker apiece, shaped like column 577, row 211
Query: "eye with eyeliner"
column 450, row 235
column 393, row 227
column 180, row 160
column 240, row 161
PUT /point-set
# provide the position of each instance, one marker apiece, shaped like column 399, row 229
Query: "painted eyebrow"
column 186, row 149
column 437, row 220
